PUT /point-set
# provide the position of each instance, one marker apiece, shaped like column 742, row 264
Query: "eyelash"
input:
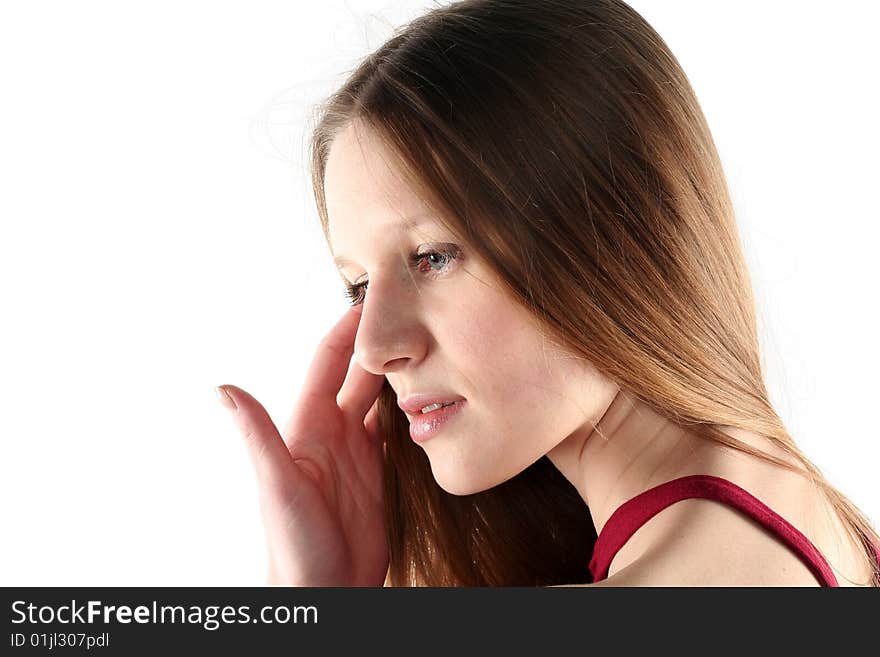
column 354, row 292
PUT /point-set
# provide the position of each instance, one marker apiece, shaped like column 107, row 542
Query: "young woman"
column 531, row 219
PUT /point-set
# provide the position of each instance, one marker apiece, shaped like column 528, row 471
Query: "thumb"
column 267, row 449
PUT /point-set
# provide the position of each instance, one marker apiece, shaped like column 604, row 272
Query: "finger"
column 359, row 391
column 371, row 425
column 267, row 450
column 329, row 365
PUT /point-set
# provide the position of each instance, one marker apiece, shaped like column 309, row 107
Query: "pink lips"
column 426, row 425
column 414, row 404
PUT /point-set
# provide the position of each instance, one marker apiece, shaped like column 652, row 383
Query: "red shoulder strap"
column 632, row 514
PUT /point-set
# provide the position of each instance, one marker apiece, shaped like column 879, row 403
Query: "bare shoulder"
column 681, row 570
column 705, row 542
column 702, row 542
column 657, row 570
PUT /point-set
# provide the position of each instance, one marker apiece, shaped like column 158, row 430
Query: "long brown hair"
column 563, row 144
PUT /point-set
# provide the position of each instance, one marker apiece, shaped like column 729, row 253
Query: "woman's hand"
column 320, row 482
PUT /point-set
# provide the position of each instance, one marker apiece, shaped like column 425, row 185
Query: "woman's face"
column 441, row 325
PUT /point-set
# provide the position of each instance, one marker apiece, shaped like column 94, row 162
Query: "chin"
column 460, row 490
column 456, row 484
column 460, row 483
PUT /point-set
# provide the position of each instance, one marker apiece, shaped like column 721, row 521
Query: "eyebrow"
column 408, row 223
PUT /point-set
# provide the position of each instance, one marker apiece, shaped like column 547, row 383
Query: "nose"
column 388, row 335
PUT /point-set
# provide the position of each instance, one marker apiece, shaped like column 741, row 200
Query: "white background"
column 159, row 238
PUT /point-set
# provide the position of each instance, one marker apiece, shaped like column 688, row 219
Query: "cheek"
column 505, row 357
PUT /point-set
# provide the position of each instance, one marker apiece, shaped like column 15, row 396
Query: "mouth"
column 431, row 411
column 424, row 404
column 433, row 408
column 425, row 425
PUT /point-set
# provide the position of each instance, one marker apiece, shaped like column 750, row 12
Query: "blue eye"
column 424, row 263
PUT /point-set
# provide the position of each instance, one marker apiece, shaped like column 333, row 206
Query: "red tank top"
column 632, row 514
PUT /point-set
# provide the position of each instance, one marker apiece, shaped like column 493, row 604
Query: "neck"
column 631, row 449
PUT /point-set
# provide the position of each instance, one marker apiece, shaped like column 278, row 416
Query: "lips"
column 426, row 425
column 414, row 404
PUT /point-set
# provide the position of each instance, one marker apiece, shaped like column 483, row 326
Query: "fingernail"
column 225, row 398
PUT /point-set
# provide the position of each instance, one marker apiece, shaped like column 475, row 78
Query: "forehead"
column 360, row 176
column 364, row 191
